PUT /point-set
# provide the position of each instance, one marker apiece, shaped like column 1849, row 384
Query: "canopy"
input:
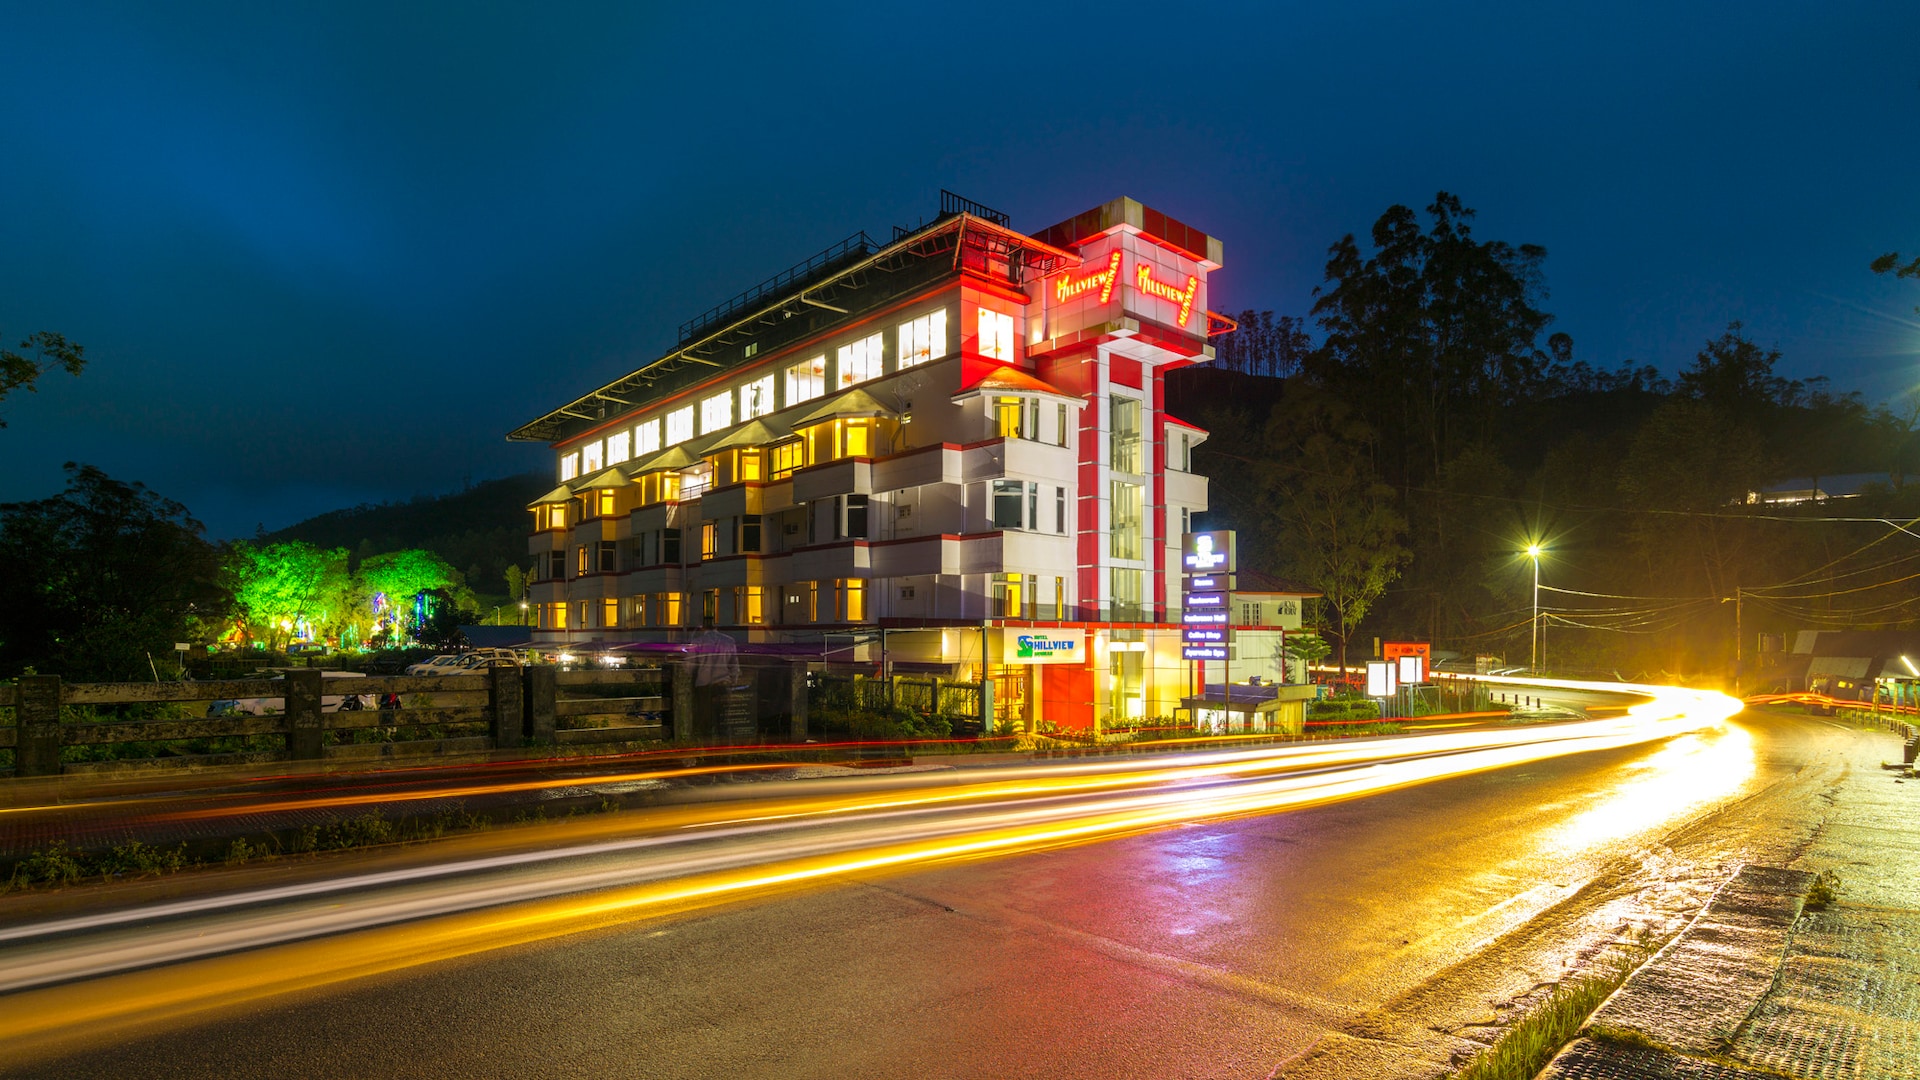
column 851, row 403
column 757, row 433
column 561, row 494
column 673, row 457
column 605, row 478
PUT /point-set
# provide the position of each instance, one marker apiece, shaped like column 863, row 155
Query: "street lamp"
column 1533, row 552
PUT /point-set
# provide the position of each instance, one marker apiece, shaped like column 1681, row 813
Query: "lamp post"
column 1533, row 552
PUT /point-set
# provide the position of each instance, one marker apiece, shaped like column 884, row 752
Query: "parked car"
column 438, row 665
column 306, row 648
column 260, row 706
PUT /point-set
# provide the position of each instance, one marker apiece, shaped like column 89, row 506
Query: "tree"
column 1890, row 264
column 1333, row 521
column 276, row 587
column 1306, row 648
column 1432, row 334
column 1264, row 345
column 104, row 577
column 393, row 582
column 39, row 354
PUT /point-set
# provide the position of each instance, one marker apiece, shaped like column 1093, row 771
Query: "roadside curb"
column 1679, row 1014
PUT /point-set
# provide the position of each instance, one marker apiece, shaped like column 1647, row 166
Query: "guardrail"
column 309, row 715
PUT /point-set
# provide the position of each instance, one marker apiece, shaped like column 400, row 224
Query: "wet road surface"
column 1370, row 937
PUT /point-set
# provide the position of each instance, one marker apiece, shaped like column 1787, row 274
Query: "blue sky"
column 328, row 254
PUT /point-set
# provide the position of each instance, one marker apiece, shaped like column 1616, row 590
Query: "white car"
column 439, row 665
column 260, row 706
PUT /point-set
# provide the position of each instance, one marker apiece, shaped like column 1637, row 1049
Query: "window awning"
column 755, row 433
column 673, row 457
column 851, row 403
column 561, row 494
column 605, row 478
column 1011, row 380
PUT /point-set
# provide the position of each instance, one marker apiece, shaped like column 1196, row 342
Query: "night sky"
column 330, row 255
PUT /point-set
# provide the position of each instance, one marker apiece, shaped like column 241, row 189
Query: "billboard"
column 1024, row 646
column 1380, row 679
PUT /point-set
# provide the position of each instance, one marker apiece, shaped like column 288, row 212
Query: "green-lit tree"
column 103, row 579
column 276, row 586
column 400, row 577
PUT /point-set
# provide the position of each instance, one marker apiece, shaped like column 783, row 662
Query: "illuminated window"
column 854, row 593
column 1126, row 526
column 787, row 457
column 679, row 425
column 859, row 438
column 590, row 457
column 1060, row 599
column 1126, row 435
column 756, row 398
column 610, row 612
column 696, row 481
column 749, row 605
column 580, row 560
column 708, row 537
column 861, row 361
column 666, row 609
column 1007, row 596
column 1009, row 416
column 710, row 607
column 807, row 380
column 1126, row 595
column 637, row 610
column 619, row 447
column 582, row 614
column 715, row 413
column 923, row 339
column 996, row 335
column 569, row 466
column 646, row 438
column 606, row 502
column 557, row 616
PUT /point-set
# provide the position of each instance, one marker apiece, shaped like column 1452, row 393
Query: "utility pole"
column 1533, row 552
column 1739, row 640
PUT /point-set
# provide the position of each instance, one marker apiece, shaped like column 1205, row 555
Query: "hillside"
column 480, row 530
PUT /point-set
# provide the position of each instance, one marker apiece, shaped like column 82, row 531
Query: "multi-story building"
column 946, row 453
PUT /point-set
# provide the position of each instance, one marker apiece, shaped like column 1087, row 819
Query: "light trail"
column 84, row 976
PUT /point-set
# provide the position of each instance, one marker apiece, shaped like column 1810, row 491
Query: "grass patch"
column 1824, row 890
column 1526, row 1047
column 1619, row 1036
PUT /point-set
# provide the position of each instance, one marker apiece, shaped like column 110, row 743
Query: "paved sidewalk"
column 1761, row 987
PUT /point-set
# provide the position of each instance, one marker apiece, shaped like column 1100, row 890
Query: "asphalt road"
column 1380, row 936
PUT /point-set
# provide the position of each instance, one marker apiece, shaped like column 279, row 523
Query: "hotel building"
column 945, row 453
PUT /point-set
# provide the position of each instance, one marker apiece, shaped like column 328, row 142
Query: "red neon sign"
column 1070, row 287
column 1143, row 280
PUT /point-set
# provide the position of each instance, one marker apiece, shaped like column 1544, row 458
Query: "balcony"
column 1186, row 489
column 849, row 476
column 845, row 559
column 1018, row 457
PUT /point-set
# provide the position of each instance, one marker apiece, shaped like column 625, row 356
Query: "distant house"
column 1848, row 663
column 1813, row 489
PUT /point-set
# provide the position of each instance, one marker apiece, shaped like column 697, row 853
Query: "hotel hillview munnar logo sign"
column 1070, row 286
column 1102, row 280
column 1024, row 646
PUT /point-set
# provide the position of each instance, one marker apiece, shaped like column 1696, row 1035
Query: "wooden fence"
column 501, row 709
